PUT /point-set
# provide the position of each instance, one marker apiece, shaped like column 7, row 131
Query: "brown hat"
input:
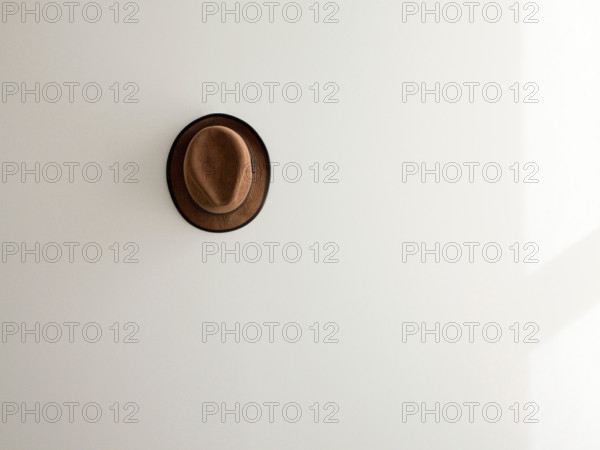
column 218, row 173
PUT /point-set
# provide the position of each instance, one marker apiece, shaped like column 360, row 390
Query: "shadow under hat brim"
column 255, row 200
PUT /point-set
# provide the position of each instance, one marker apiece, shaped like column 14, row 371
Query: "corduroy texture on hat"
column 218, row 173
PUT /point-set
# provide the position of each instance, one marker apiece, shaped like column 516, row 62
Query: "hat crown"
column 218, row 169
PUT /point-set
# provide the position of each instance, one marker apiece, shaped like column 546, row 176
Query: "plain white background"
column 368, row 215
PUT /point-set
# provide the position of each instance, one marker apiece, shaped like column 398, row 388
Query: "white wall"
column 370, row 294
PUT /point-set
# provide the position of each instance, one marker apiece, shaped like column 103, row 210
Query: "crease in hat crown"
column 218, row 169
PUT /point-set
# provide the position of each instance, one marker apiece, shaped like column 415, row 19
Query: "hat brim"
column 219, row 223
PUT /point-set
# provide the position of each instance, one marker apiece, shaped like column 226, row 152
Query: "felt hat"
column 218, row 172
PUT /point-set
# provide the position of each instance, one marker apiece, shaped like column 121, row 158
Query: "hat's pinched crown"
column 218, row 169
